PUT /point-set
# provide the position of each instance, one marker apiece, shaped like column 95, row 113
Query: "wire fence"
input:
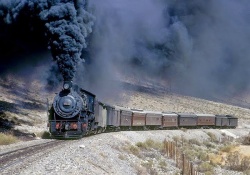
column 174, row 152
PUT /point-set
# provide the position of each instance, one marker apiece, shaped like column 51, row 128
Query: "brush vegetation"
column 6, row 139
column 43, row 135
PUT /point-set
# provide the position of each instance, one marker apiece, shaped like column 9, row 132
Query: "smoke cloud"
column 65, row 23
column 201, row 46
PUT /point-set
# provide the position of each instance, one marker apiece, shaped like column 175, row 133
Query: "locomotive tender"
column 76, row 112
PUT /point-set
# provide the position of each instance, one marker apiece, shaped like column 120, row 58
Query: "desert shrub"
column 209, row 172
column 141, row 170
column 122, row 157
column 184, row 129
column 233, row 161
column 103, row 155
column 46, row 135
column 202, row 156
column 208, row 144
column 149, row 166
column 246, row 140
column 194, row 141
column 176, row 138
column 149, row 143
column 205, row 167
column 162, row 164
column 212, row 137
column 190, row 154
column 43, row 135
column 154, row 144
column 245, row 164
column 134, row 150
column 145, row 145
column 227, row 148
column 141, row 145
column 6, row 139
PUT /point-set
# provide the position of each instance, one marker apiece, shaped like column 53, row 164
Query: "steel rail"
column 14, row 157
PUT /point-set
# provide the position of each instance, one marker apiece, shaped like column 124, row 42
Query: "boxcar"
column 232, row 121
column 226, row 121
column 169, row 120
column 187, row 120
column 153, row 119
column 205, row 120
column 125, row 117
column 110, row 115
column 221, row 120
column 113, row 117
column 138, row 118
column 101, row 115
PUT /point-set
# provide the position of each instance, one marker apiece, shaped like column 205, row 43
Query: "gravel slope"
column 105, row 154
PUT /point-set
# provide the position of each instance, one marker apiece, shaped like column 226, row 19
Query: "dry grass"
column 227, row 148
column 206, row 168
column 212, row 137
column 43, row 135
column 151, row 154
column 238, row 162
column 149, row 143
column 6, row 139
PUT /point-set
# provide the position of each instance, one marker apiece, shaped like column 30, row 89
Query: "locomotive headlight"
column 67, row 85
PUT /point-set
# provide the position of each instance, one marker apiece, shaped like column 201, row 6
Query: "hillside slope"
column 24, row 103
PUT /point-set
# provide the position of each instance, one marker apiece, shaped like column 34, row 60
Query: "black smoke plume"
column 65, row 23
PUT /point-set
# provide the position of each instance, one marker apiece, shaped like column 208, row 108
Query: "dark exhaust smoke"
column 201, row 47
column 65, row 23
column 68, row 25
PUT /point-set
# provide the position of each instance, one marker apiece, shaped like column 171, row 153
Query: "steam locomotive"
column 76, row 112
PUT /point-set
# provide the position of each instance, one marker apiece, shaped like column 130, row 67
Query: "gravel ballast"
column 104, row 154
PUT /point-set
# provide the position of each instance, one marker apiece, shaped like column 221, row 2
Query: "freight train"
column 76, row 112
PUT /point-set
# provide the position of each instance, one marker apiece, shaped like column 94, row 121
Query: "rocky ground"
column 109, row 153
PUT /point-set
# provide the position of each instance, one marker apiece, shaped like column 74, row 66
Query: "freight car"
column 76, row 112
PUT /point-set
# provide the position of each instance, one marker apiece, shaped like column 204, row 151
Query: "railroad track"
column 11, row 158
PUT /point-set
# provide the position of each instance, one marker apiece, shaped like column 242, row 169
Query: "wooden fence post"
column 168, row 149
column 177, row 159
column 183, row 164
column 171, row 150
column 192, row 168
